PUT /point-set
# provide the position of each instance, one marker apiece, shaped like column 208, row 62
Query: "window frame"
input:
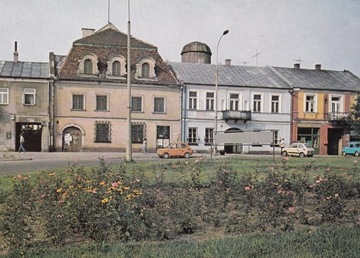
column 193, row 101
column 137, row 132
column 106, row 108
column 234, row 102
column 141, row 103
column 192, row 136
column 275, row 104
column 257, row 103
column 4, row 96
column 210, row 101
column 102, row 135
column 308, row 103
column 73, row 108
column 31, row 92
column 163, row 111
column 209, row 134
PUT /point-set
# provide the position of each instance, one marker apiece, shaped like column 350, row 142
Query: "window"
column 116, row 68
column 145, row 70
column 159, row 105
column 257, row 103
column 234, row 102
column 310, row 103
column 275, row 104
column 136, row 104
column 78, row 102
column 88, row 66
column 29, row 96
column 208, row 135
column 209, row 100
column 4, row 96
column 192, row 100
column 102, row 132
column 137, row 133
column 192, row 135
column 101, row 103
column 335, row 104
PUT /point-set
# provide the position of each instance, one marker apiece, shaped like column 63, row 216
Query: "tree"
column 354, row 120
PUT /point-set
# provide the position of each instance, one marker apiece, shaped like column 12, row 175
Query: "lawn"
column 248, row 206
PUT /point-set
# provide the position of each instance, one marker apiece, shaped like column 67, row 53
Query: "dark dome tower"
column 196, row 52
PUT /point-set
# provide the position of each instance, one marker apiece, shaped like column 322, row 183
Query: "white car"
column 298, row 149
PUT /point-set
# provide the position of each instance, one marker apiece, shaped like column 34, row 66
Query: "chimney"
column 16, row 54
column 318, row 67
column 297, row 65
column 227, row 61
column 87, row 32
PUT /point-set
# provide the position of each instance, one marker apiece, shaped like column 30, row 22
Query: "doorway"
column 32, row 134
column 72, row 140
column 334, row 141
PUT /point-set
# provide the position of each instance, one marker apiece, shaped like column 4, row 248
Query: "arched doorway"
column 233, row 148
column 72, row 139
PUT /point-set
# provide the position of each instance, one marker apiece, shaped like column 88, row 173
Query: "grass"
column 323, row 242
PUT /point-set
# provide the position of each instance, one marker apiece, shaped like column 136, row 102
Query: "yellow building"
column 90, row 95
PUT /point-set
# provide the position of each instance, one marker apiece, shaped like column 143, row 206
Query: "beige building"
column 90, row 100
column 24, row 104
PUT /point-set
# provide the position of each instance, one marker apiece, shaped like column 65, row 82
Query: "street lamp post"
column 216, row 86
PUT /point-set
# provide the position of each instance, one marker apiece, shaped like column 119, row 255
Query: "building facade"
column 91, row 100
column 24, row 104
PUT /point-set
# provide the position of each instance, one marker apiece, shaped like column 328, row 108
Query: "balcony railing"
column 243, row 115
column 338, row 116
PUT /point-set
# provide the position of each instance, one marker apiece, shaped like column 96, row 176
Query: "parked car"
column 353, row 148
column 178, row 149
column 299, row 149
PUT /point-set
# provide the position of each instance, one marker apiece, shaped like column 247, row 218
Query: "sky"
column 261, row 32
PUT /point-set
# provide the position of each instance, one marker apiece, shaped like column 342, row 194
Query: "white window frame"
column 139, row 65
column 209, row 133
column 193, row 132
column 81, row 67
column 234, row 103
column 210, row 101
column 31, row 92
column 122, row 62
column 314, row 103
column 259, row 103
column 193, row 101
column 340, row 107
column 164, row 105
column 277, row 103
column 4, row 96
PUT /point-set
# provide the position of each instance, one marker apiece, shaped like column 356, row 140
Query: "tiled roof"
column 109, row 35
column 105, row 44
column 320, row 79
column 228, row 75
column 35, row 70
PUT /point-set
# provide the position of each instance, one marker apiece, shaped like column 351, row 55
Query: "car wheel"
column 344, row 153
column 356, row 154
column 301, row 155
column 222, row 152
column 284, row 153
column 166, row 155
column 187, row 155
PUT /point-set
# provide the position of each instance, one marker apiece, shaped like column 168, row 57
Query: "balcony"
column 338, row 116
column 236, row 115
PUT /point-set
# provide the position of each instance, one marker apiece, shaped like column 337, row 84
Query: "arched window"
column 88, row 66
column 145, row 70
column 116, row 68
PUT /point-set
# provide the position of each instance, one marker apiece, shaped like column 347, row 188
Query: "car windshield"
column 307, row 145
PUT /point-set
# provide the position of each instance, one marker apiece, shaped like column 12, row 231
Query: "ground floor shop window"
column 137, row 133
column 102, row 132
column 309, row 136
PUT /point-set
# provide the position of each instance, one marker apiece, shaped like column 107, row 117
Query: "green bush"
column 123, row 203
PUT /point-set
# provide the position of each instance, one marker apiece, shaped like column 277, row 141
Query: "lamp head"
column 225, row 32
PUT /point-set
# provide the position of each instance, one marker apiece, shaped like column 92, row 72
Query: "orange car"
column 179, row 149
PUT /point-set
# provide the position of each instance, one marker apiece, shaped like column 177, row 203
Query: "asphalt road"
column 20, row 163
column 13, row 163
